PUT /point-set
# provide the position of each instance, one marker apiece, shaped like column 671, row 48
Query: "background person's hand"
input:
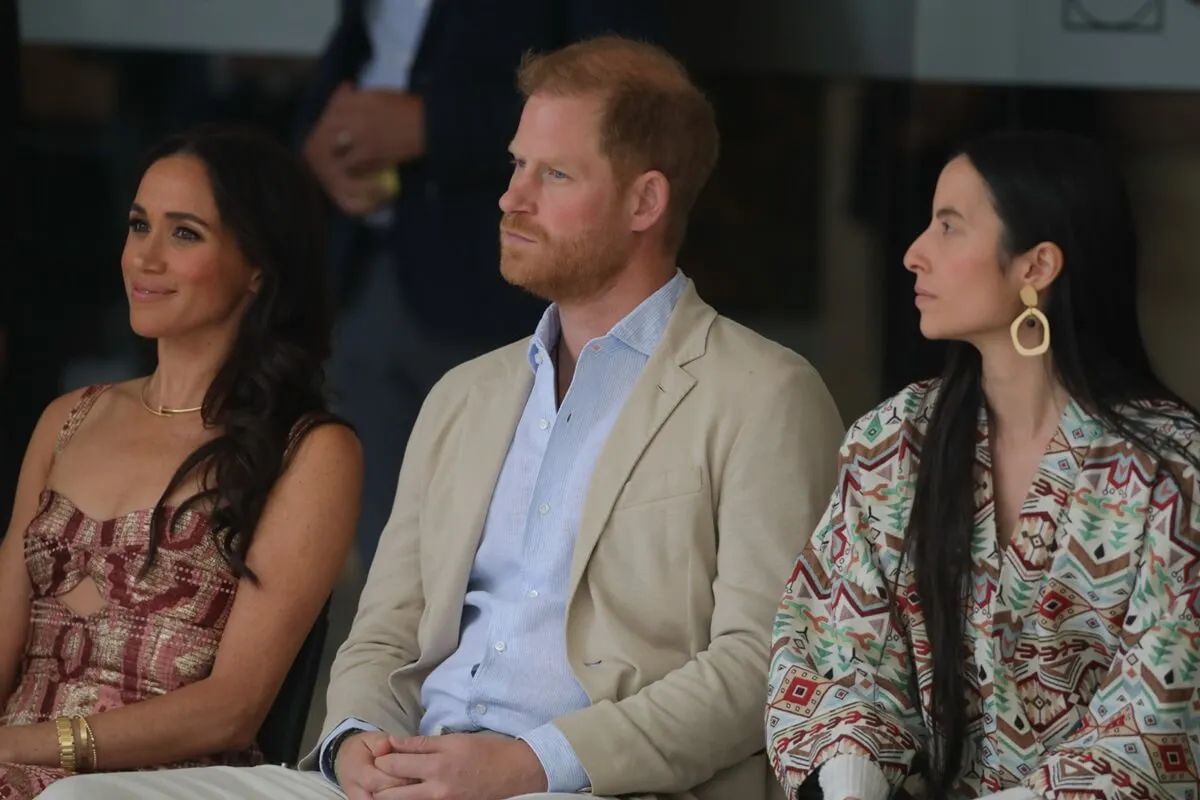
column 358, row 142
column 373, row 129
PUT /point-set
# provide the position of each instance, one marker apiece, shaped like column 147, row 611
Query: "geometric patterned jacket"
column 1083, row 635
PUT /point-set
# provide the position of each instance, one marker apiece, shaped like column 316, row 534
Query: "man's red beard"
column 559, row 270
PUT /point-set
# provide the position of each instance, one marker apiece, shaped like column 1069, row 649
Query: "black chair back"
column 282, row 731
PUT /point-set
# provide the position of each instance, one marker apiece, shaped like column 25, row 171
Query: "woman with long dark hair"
column 1004, row 594
column 174, row 537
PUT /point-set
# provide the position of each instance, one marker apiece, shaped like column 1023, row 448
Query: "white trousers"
column 213, row 783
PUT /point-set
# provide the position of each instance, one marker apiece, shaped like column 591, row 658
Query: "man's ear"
column 649, row 195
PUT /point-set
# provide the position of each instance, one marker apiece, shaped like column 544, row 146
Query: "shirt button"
column 596, row 348
column 532, row 593
column 480, row 709
column 544, row 508
column 537, row 358
column 543, row 424
column 501, row 647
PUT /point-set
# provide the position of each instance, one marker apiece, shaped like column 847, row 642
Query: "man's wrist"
column 530, row 773
column 326, row 757
column 561, row 767
column 335, row 747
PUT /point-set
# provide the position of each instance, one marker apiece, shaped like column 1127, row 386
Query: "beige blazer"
column 715, row 473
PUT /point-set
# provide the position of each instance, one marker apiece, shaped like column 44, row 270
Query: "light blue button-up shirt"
column 510, row 673
column 394, row 28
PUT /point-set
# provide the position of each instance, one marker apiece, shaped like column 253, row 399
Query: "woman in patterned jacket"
column 1004, row 593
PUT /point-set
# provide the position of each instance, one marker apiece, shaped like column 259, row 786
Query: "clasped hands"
column 360, row 136
column 470, row 766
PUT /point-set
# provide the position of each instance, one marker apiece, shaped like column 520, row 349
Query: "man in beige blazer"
column 592, row 527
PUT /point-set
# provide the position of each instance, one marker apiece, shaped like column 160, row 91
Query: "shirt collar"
column 641, row 329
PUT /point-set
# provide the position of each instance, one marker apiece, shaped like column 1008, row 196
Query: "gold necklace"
column 163, row 411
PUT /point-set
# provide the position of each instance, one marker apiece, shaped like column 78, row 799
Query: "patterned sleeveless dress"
column 152, row 635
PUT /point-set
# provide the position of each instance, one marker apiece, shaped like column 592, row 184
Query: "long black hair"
column 270, row 389
column 1044, row 187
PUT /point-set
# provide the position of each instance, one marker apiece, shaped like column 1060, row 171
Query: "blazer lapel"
column 658, row 391
column 493, row 409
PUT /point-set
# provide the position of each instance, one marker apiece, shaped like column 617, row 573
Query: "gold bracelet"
column 89, row 743
column 81, row 746
column 81, row 740
column 66, row 745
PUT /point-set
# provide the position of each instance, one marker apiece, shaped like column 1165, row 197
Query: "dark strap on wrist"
column 331, row 752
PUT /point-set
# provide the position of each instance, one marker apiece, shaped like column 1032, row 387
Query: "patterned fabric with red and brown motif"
column 1083, row 633
column 152, row 635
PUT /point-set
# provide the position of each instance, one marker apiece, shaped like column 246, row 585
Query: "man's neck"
column 585, row 320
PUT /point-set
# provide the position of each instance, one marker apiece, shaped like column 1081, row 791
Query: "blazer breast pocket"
column 651, row 488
